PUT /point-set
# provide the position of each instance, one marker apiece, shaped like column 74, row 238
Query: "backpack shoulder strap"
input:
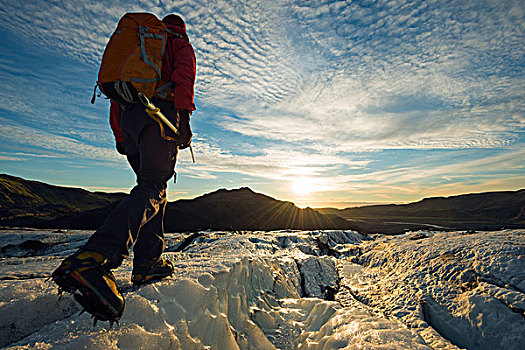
column 175, row 34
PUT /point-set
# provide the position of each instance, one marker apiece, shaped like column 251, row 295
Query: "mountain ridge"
column 503, row 208
column 36, row 204
column 21, row 198
column 236, row 209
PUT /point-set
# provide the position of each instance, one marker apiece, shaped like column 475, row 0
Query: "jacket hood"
column 176, row 24
column 174, row 20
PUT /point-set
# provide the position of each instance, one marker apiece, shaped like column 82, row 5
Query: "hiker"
column 138, row 220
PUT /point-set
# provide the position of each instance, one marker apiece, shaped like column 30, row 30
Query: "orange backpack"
column 132, row 59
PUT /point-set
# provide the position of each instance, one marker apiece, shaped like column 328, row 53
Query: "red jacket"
column 179, row 67
column 114, row 121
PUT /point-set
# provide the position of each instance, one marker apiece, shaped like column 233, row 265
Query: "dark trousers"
column 138, row 220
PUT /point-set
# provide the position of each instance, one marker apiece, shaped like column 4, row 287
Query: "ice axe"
column 153, row 110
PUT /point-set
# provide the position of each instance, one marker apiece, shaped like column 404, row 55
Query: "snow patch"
column 284, row 290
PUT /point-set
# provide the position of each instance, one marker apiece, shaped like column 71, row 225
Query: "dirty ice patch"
column 465, row 287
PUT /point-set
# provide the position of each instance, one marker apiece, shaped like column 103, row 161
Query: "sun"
column 303, row 186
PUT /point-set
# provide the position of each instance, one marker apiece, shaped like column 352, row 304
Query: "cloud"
column 79, row 29
column 400, row 79
column 319, row 88
column 272, row 163
column 13, row 159
column 374, row 72
column 434, row 178
column 58, row 145
column 24, row 156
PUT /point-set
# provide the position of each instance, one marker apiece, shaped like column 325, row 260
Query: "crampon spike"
column 60, row 295
column 112, row 322
column 95, row 320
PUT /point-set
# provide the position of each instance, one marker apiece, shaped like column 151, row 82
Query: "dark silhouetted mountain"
column 240, row 209
column 479, row 210
column 23, row 200
column 35, row 204
column 243, row 209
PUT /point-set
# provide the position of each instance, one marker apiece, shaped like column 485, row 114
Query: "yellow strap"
column 153, row 114
column 153, row 111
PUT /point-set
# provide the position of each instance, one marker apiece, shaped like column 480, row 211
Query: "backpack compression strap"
column 143, row 33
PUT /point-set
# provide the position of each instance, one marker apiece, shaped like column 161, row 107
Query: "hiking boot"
column 85, row 273
column 161, row 269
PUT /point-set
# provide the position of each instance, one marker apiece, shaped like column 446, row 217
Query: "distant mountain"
column 35, row 204
column 22, row 199
column 473, row 211
column 240, row 209
column 243, row 209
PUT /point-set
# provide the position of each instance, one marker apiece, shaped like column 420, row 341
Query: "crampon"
column 92, row 285
column 145, row 275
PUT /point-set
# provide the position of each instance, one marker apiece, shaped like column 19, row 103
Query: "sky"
column 322, row 103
